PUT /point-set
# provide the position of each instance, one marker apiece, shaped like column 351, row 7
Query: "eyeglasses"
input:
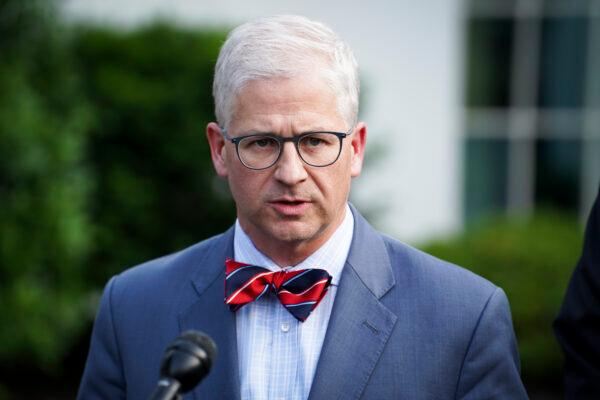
column 261, row 151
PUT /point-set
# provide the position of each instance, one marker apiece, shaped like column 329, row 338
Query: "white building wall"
column 411, row 59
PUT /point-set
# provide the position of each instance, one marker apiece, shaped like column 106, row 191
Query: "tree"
column 44, row 185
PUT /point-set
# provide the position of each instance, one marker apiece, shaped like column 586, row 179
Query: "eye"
column 318, row 141
column 262, row 142
column 258, row 143
column 313, row 141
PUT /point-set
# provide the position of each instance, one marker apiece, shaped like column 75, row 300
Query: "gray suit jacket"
column 404, row 325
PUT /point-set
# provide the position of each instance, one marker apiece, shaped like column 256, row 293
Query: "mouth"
column 290, row 207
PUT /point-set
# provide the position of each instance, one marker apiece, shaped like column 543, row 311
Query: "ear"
column 358, row 141
column 217, row 149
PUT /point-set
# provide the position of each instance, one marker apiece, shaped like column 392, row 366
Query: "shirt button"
column 285, row 327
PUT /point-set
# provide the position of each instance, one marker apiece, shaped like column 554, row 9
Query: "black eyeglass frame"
column 282, row 140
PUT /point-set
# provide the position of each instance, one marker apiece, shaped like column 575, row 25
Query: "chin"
column 294, row 233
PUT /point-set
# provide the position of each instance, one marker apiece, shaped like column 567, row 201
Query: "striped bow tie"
column 298, row 291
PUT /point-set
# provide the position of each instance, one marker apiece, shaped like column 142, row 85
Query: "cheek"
column 335, row 185
column 239, row 188
column 246, row 186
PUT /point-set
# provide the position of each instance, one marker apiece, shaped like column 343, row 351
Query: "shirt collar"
column 331, row 256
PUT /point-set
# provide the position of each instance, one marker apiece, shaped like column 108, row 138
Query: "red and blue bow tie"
column 298, row 291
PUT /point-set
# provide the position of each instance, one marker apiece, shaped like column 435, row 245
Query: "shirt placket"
column 285, row 356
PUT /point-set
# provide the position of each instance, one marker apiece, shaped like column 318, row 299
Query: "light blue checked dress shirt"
column 278, row 354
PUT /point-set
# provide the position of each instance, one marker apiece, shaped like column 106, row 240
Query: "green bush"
column 44, row 186
column 532, row 260
column 103, row 165
column 156, row 190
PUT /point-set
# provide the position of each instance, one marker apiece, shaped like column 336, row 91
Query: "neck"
column 291, row 252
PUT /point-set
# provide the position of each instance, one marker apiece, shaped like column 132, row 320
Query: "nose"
column 290, row 169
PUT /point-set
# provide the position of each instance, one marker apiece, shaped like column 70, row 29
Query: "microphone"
column 186, row 362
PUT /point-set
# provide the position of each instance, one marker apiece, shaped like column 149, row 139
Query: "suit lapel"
column 210, row 315
column 360, row 325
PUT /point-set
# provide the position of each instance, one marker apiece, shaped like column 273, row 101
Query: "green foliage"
column 156, row 188
column 532, row 260
column 103, row 165
column 44, row 229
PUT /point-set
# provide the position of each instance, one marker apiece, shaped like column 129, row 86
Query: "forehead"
column 280, row 104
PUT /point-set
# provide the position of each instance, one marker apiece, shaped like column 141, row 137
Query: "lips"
column 290, row 207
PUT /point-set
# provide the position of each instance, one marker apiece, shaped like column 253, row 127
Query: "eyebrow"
column 272, row 132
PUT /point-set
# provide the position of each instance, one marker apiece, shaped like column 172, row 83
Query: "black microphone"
column 186, row 361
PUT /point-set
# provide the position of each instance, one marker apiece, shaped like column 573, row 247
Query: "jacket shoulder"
column 177, row 259
column 169, row 274
column 437, row 276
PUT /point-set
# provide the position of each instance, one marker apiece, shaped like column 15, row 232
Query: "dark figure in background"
column 577, row 326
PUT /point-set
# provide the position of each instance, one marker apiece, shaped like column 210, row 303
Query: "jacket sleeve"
column 490, row 369
column 103, row 375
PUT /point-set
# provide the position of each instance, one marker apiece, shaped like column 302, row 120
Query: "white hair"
column 284, row 46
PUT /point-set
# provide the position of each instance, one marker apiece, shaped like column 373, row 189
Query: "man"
column 380, row 320
column 577, row 326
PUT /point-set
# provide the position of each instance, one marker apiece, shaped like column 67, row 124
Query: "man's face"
column 291, row 202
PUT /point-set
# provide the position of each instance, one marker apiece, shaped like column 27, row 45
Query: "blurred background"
column 484, row 149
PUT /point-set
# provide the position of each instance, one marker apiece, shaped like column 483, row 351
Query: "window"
column 532, row 105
